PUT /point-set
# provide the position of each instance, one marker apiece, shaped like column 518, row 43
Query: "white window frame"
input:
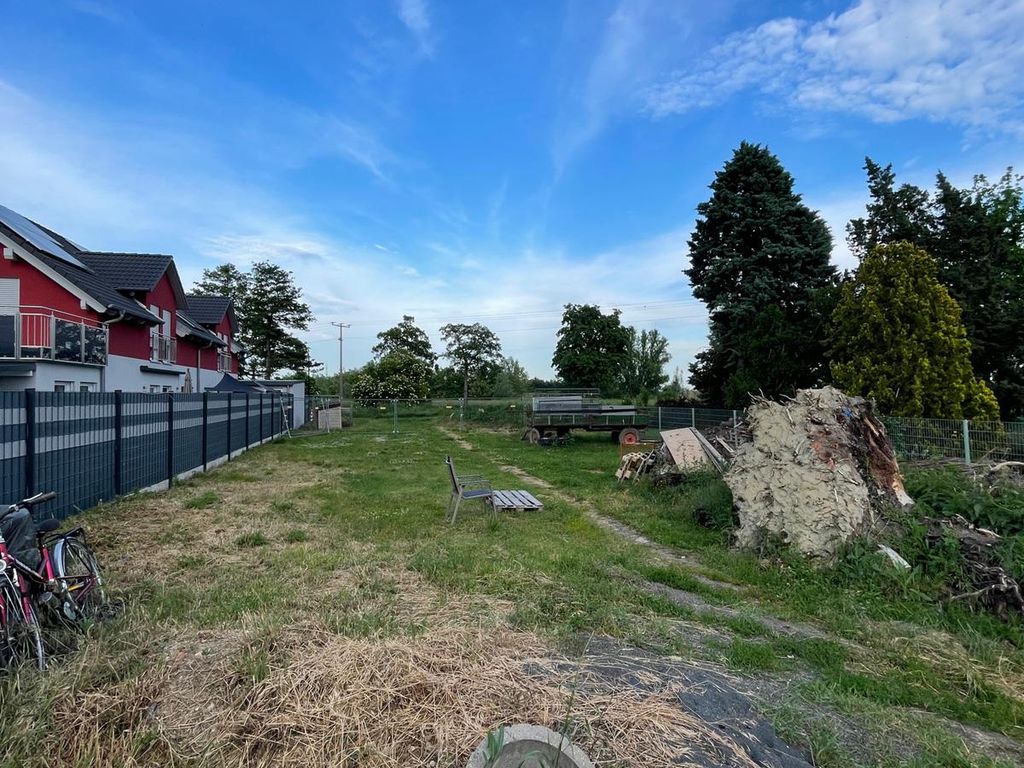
column 64, row 386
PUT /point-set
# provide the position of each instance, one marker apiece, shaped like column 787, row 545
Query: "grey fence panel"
column 73, row 450
column 217, row 425
column 238, row 418
column 188, row 433
column 12, row 446
column 144, row 441
column 253, row 419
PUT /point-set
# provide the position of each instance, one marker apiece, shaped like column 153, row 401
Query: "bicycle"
column 67, row 582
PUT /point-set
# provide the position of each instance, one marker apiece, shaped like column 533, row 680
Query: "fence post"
column 30, row 442
column 118, row 435
column 248, row 441
column 693, row 418
column 659, row 418
column 735, row 440
column 170, row 440
column 967, row 442
column 394, row 409
column 261, row 417
column 206, row 429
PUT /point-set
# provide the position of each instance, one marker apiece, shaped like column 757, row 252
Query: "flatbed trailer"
column 623, row 423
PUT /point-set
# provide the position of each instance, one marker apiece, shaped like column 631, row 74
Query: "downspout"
column 103, row 369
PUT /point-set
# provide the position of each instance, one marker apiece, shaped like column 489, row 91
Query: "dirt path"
column 665, row 553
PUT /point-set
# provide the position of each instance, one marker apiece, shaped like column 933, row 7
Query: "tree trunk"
column 465, row 390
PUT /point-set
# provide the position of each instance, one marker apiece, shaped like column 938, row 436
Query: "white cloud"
column 955, row 61
column 415, row 14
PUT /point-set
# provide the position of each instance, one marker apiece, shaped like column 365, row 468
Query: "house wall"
column 125, row 373
column 222, row 329
column 48, row 373
column 132, row 340
column 38, row 290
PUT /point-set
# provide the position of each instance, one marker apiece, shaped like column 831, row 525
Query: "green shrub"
column 951, row 491
column 709, row 500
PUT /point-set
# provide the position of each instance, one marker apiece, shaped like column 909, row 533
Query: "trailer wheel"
column 532, row 436
column 629, row 436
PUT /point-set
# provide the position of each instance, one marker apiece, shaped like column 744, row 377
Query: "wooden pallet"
column 517, row 500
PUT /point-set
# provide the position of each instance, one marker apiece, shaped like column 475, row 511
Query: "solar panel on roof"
column 37, row 237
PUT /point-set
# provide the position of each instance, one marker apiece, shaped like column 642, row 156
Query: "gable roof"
column 127, row 271
column 210, row 310
column 189, row 326
column 100, row 275
column 29, row 233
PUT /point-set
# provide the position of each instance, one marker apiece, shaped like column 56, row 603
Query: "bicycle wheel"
column 78, row 573
column 20, row 640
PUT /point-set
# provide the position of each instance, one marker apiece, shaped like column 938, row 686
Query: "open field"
column 307, row 605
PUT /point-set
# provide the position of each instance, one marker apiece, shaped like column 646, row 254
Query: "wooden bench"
column 477, row 487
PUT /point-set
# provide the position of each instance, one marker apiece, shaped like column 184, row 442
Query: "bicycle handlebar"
column 31, row 501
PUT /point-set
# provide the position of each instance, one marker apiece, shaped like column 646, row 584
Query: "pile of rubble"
column 818, row 471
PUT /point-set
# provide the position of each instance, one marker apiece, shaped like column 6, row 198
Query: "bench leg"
column 455, row 511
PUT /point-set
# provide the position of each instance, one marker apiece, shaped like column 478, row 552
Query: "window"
column 63, row 386
column 168, row 389
column 87, row 386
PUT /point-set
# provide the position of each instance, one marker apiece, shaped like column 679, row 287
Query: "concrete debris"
column 819, row 470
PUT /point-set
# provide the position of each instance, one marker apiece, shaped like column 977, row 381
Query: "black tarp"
column 229, row 383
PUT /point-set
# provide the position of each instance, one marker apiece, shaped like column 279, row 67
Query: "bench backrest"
column 451, row 473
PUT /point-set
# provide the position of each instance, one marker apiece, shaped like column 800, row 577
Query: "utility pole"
column 341, row 365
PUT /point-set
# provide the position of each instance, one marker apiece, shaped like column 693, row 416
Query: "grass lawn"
column 285, row 610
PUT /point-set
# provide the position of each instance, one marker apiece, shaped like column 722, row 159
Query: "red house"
column 91, row 321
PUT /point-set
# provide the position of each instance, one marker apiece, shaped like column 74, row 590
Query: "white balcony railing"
column 39, row 333
column 163, row 348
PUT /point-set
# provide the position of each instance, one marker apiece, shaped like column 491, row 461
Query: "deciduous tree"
column 473, row 350
column 405, row 337
column 759, row 259
column 898, row 338
column 592, row 348
column 643, row 372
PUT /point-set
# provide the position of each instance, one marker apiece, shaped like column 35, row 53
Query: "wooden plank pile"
column 633, row 465
column 681, row 451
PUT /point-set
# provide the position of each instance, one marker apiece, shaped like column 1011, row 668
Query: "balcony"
column 40, row 333
column 163, row 348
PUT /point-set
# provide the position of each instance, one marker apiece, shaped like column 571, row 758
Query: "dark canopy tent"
column 229, row 383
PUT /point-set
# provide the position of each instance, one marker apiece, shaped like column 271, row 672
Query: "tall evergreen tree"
column 269, row 308
column 898, row 338
column 759, row 259
column 894, row 214
column 977, row 238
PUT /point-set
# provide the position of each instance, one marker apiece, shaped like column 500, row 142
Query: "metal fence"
column 91, row 447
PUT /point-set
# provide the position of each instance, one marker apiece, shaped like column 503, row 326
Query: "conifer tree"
column 759, row 259
column 898, row 339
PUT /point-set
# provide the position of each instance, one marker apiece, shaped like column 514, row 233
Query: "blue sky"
column 491, row 161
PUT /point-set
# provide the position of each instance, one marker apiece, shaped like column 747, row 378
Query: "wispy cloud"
column 954, row 61
column 415, row 14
